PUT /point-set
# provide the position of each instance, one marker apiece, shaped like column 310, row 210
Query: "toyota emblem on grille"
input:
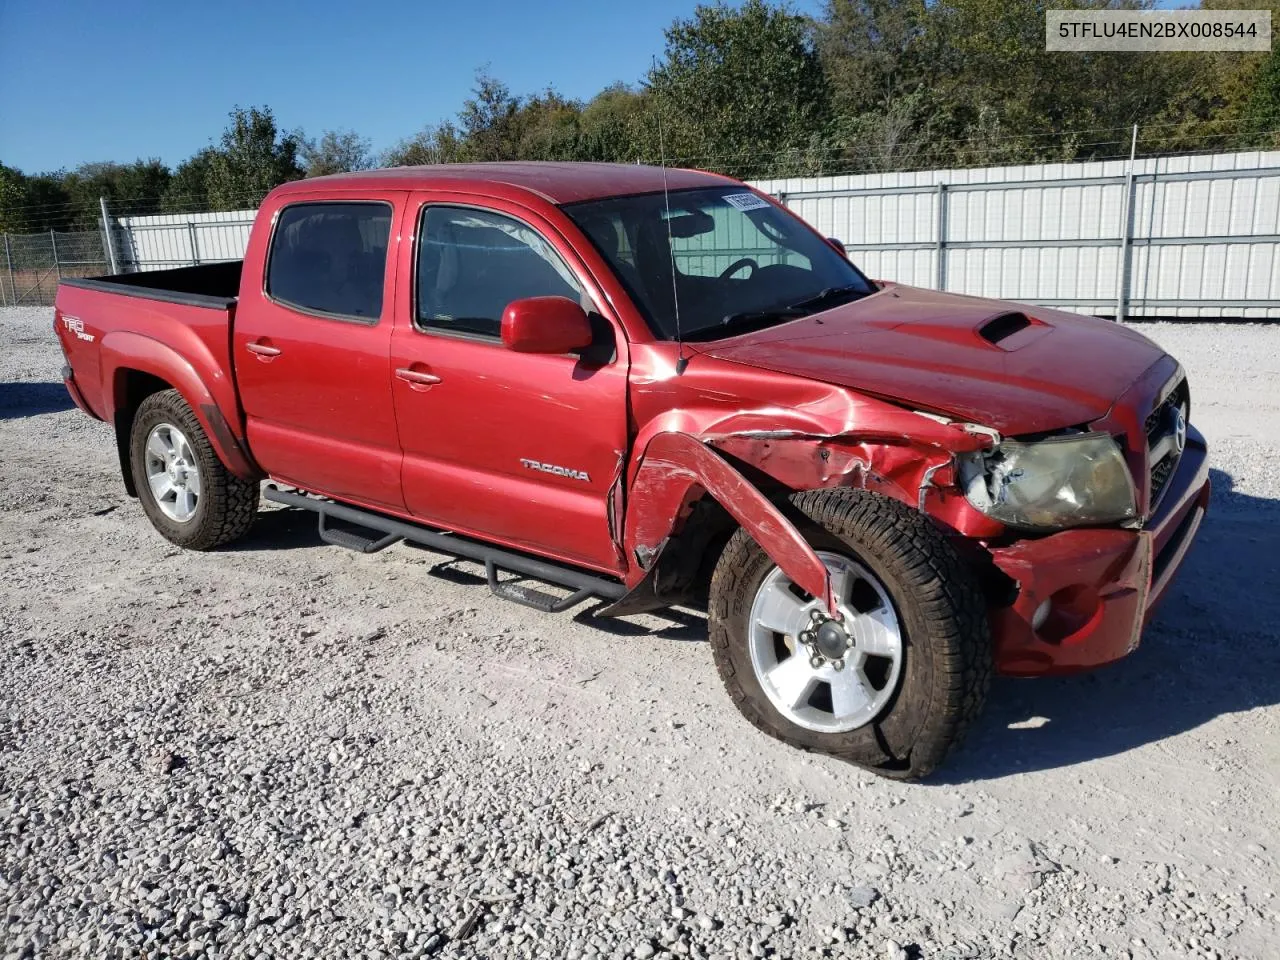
column 1179, row 430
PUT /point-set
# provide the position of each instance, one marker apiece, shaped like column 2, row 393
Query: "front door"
column 519, row 448
column 312, row 337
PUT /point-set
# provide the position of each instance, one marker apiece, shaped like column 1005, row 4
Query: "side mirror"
column 545, row 325
column 838, row 246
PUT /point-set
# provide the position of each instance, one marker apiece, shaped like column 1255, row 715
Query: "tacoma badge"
column 558, row 471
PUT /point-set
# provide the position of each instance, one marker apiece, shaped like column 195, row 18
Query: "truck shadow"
column 289, row 529
column 27, row 399
column 1213, row 649
column 279, row 529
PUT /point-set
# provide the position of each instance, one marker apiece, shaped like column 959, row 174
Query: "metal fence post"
column 1125, row 266
column 195, row 252
column 8, row 262
column 53, row 243
column 106, row 235
column 940, row 248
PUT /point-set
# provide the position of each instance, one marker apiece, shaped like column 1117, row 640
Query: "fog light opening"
column 1041, row 615
column 1067, row 613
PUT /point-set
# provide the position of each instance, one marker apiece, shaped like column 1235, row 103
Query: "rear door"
column 519, row 448
column 311, row 344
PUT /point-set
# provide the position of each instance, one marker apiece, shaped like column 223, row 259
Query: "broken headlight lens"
column 1066, row 481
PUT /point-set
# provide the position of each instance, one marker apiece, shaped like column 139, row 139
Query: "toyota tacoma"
column 650, row 388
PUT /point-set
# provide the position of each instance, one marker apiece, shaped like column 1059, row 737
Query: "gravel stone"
column 429, row 760
column 862, row 897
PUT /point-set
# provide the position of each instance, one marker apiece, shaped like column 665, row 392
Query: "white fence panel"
column 1203, row 239
column 182, row 239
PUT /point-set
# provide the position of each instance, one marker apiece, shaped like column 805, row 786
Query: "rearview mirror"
column 545, row 325
column 689, row 225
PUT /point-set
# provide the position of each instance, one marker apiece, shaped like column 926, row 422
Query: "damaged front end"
column 699, row 472
column 1070, row 480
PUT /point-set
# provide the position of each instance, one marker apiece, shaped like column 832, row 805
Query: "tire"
column 943, row 646
column 225, row 506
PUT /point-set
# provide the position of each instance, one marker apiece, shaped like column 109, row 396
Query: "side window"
column 472, row 263
column 330, row 258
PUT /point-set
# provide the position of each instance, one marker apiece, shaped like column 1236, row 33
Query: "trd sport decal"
column 76, row 326
column 558, row 471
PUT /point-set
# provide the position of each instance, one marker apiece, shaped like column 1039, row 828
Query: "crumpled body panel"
column 707, row 433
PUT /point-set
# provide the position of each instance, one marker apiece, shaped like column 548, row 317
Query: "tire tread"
column 231, row 504
column 943, row 587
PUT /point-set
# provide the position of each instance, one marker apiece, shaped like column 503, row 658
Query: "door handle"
column 263, row 350
column 418, row 378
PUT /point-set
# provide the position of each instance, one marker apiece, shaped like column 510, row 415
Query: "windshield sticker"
column 746, row 201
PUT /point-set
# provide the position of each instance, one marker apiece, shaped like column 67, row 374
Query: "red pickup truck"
column 659, row 387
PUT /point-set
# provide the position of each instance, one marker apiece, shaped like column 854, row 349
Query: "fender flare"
column 675, row 468
column 123, row 350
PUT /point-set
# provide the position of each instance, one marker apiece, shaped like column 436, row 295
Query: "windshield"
column 740, row 261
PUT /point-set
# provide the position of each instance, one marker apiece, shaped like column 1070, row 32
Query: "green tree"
column 45, row 204
column 337, row 151
column 188, row 188
column 546, row 127
column 254, row 158
column 442, row 143
column 12, row 194
column 875, row 52
column 1010, row 101
column 489, row 120
column 129, row 187
column 610, row 125
column 1262, row 110
column 738, row 86
column 882, row 60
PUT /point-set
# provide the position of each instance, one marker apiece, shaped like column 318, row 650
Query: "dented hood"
column 1017, row 368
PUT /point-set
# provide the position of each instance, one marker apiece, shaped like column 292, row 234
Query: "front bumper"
column 1101, row 585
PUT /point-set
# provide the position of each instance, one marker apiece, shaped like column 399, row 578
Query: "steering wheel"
column 737, row 265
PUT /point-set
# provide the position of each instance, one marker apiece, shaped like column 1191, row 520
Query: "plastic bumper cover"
column 68, row 379
column 1083, row 596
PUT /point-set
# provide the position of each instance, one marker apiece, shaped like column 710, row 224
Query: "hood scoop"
column 1017, row 369
column 1003, row 326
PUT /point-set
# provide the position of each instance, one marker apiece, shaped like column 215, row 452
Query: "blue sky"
column 89, row 80
column 92, row 80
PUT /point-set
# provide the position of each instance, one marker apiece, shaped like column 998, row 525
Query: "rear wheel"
column 894, row 683
column 185, row 490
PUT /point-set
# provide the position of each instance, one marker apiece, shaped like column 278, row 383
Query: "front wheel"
column 189, row 495
column 895, row 683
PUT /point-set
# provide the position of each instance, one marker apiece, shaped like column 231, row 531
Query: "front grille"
column 1163, row 442
column 1160, row 475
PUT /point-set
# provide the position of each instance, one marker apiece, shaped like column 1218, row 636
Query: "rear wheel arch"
column 128, row 389
column 132, row 382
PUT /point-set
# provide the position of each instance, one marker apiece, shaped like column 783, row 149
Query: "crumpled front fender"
column 674, row 472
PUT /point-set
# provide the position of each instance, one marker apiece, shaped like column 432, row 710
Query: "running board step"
column 353, row 540
column 528, row 597
column 584, row 585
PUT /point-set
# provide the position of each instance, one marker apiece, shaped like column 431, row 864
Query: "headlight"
column 1067, row 481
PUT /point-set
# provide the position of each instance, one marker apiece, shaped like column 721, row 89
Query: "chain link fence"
column 33, row 263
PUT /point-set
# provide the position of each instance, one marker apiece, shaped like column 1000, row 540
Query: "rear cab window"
column 330, row 258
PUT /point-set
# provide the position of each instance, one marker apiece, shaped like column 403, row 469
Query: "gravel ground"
column 286, row 749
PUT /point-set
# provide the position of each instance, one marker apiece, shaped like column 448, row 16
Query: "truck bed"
column 215, row 285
